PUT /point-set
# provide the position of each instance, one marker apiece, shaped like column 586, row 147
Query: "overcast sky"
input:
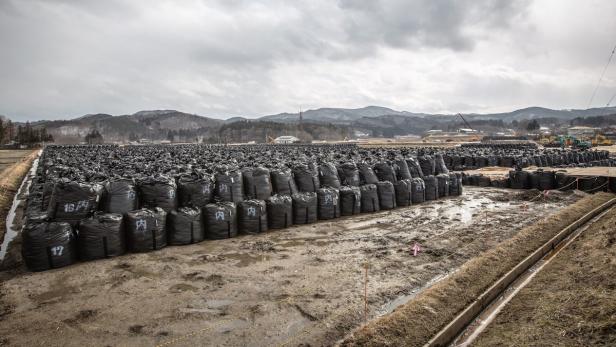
column 63, row 59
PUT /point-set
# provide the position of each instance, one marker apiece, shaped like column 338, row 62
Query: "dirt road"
column 302, row 285
column 571, row 302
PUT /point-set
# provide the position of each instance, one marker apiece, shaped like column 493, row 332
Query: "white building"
column 581, row 131
column 285, row 139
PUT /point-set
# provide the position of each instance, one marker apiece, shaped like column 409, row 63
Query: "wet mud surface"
column 298, row 286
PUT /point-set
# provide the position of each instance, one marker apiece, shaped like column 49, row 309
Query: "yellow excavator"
column 601, row 140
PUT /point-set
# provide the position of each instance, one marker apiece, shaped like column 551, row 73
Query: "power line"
column 601, row 77
column 611, row 99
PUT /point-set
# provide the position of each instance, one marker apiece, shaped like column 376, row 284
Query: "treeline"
column 22, row 134
column 595, row 121
column 264, row 131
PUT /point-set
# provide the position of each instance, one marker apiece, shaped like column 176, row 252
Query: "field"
column 14, row 165
column 571, row 301
column 301, row 285
column 9, row 157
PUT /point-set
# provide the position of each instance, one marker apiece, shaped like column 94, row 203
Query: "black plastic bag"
column 185, row 226
column 120, row 196
column 418, row 190
column 443, row 185
column 369, row 198
column 366, row 174
column 404, row 192
column 431, row 187
column 229, row 185
column 328, row 203
column 145, row 229
column 385, row 172
column 304, row 207
column 194, row 191
column 283, row 182
column 48, row 245
column 101, row 236
column 349, row 174
column 387, row 195
column 328, row 175
column 72, row 201
column 257, row 183
column 279, row 211
column 350, row 200
column 220, row 220
column 252, row 216
column 307, row 178
column 159, row 191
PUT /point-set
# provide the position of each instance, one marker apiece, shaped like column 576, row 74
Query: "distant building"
column 467, row 131
column 581, row 131
column 434, row 132
column 285, row 139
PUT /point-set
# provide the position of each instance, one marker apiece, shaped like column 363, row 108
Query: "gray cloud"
column 65, row 58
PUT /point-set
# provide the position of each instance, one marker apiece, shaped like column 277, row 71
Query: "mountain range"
column 372, row 120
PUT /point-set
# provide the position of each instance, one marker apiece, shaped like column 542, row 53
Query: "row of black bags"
column 55, row 244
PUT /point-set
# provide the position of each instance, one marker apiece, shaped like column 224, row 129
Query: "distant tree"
column 533, row 125
column 94, row 137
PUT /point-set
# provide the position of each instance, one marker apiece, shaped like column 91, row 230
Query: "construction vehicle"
column 563, row 141
column 601, row 140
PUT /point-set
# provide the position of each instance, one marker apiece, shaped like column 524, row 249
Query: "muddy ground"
column 571, row 302
column 298, row 286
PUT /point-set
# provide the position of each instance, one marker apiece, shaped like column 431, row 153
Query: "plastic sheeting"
column 185, row 226
column 145, row 229
column 252, row 216
column 220, row 220
column 101, row 236
column 48, row 245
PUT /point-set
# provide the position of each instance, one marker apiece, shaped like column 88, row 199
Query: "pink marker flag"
column 416, row 249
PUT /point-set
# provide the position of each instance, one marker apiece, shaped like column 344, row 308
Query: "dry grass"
column 10, row 180
column 571, row 302
column 416, row 322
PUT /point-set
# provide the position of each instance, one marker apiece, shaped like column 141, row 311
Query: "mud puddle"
column 301, row 285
